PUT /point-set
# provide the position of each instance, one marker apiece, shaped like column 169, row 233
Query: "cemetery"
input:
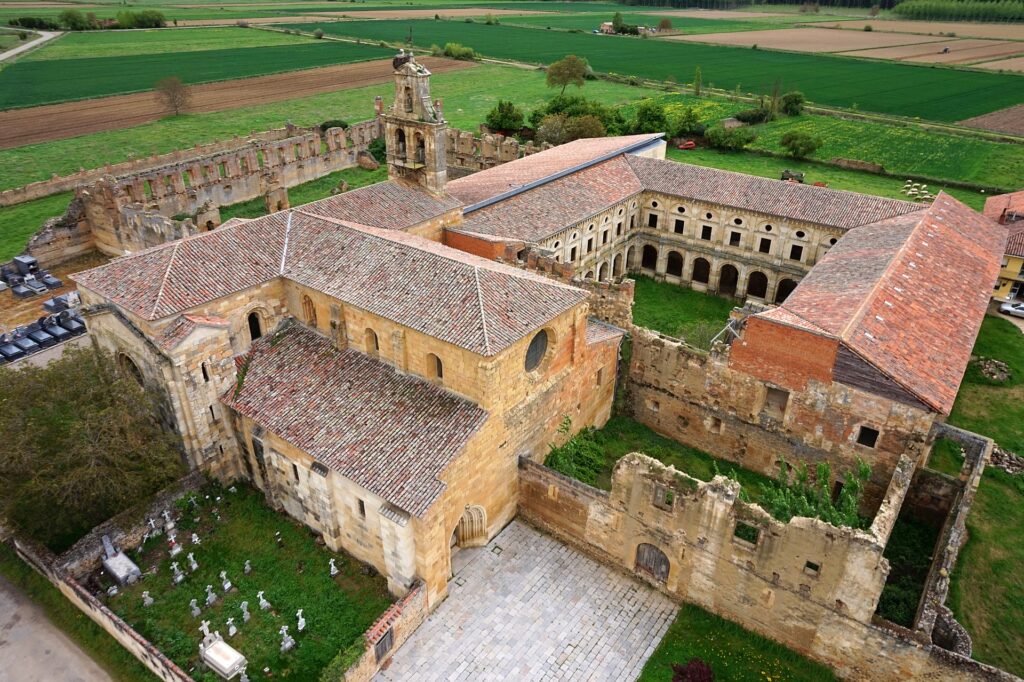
column 227, row 588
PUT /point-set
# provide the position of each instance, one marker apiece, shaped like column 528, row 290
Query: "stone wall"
column 471, row 153
column 806, row 584
column 401, row 620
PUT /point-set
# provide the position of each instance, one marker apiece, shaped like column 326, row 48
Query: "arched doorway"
column 701, row 270
column 649, row 258
column 602, row 272
column 675, row 264
column 785, row 288
column 400, row 142
column 652, row 561
column 631, row 259
column 129, row 367
column 728, row 279
column 617, row 265
column 471, row 531
column 255, row 325
column 757, row 285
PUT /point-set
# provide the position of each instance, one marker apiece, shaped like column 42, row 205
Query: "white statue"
column 195, row 608
column 248, row 567
column 334, row 569
column 264, row 604
column 146, row 599
column 302, row 621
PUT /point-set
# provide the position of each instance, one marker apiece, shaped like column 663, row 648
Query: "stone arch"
column 784, row 289
column 602, row 272
column 728, row 280
column 701, row 270
column 649, row 258
column 400, row 142
column 371, row 342
column 652, row 562
column 757, row 285
column 674, row 265
column 309, row 311
column 435, row 367
column 130, row 367
column 617, row 265
column 256, row 324
column 472, row 528
column 631, row 258
column 589, row 275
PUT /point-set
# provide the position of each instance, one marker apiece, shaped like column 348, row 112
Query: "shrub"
column 334, row 123
column 460, row 52
column 579, row 127
column 436, row 50
column 506, row 116
column 650, row 117
column 759, row 115
column 318, row 34
column 22, row 35
column 147, row 18
column 732, row 140
column 799, row 144
column 35, row 22
column 580, row 457
column 867, row 27
column 378, row 149
column 665, row 24
column 792, row 103
column 575, row 106
column 695, row 670
column 802, row 497
column 73, row 20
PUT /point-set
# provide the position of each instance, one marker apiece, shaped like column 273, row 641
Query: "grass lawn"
column 92, row 44
column 621, row 436
column 680, row 311
column 987, row 587
column 837, row 178
column 946, row 457
column 872, row 85
column 733, row 653
column 337, row 610
column 308, row 191
column 19, row 222
column 30, row 83
column 986, row 407
column 909, row 552
column 89, row 636
column 468, row 96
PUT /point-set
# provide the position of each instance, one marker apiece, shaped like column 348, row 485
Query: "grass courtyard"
column 293, row 576
column 679, row 311
column 308, row 191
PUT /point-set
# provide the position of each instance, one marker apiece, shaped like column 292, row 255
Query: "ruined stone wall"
column 401, row 620
column 806, row 584
column 466, row 151
column 697, row 398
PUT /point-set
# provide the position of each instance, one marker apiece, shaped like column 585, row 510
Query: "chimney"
column 378, row 105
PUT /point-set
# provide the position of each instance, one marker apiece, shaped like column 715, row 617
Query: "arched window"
column 435, row 366
column 649, row 258
column 675, row 264
column 255, row 326
column 757, row 285
column 129, row 367
column 536, row 351
column 372, row 345
column 309, row 311
column 617, row 265
column 701, row 270
column 400, row 142
column 786, row 287
column 728, row 280
column 602, row 272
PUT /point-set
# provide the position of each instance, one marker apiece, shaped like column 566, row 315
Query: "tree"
column 802, row 497
column 553, row 129
column 618, row 23
column 571, row 70
column 799, row 144
column 579, row 127
column 174, row 95
column 665, row 24
column 318, row 34
column 73, row 20
column 792, row 103
column 732, row 140
column 506, row 116
column 686, row 123
column 650, row 117
column 697, row 82
column 81, row 442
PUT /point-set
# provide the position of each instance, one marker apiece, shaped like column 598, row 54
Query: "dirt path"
column 37, row 124
column 44, row 36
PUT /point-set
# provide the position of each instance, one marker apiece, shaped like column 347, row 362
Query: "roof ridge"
column 163, row 281
column 483, row 314
column 284, row 249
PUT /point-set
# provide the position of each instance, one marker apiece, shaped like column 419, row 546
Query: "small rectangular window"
column 664, row 497
column 632, row 221
column 776, row 402
column 705, row 232
column 206, row 373
column 600, row 376
column 362, row 509
column 796, row 252
column 590, row 245
column 652, row 220
column 213, row 415
column 867, row 436
column 734, row 238
column 680, row 224
column 572, row 255
column 604, row 237
column 746, row 532
column 765, row 246
column 295, row 471
column 812, row 569
column 618, row 229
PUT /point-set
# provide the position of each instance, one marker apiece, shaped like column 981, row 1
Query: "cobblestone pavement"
column 527, row 607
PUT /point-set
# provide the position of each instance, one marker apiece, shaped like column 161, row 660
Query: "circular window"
column 681, row 209
column 621, row 210
column 654, row 204
column 737, row 221
column 535, row 353
column 575, row 235
column 831, row 242
column 767, row 228
column 556, row 245
column 708, row 216
column 606, row 218
column 799, row 235
column 590, row 228
column 633, row 205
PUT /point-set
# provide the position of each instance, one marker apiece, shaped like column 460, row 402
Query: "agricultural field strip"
column 810, row 39
column 1015, row 64
column 892, row 88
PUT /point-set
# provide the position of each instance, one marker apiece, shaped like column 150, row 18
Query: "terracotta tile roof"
column 543, row 211
column 835, row 208
column 392, row 434
column 906, row 294
column 389, row 205
column 448, row 294
column 1015, row 240
column 508, row 176
column 178, row 330
column 598, row 331
column 999, row 206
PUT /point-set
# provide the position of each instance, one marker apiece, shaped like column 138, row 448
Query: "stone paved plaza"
column 527, row 607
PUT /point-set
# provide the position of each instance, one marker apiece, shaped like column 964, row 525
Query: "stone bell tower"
column 414, row 128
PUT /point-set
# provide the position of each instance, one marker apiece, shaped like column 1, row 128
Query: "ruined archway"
column 602, row 272
column 674, row 265
column 617, row 265
column 757, row 285
column 728, row 280
column 785, row 288
column 652, row 562
column 649, row 258
column 701, row 270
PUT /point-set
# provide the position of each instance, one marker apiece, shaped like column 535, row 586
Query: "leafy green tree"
column 505, row 116
column 665, row 24
column 81, row 442
column 579, row 127
column 650, row 117
column 784, row 499
column 792, row 103
column 571, row 70
column 733, row 140
column 73, row 20
column 799, row 144
column 574, row 106
column 687, row 122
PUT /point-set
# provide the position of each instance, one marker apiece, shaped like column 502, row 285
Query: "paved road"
column 527, row 607
column 32, row 649
column 15, row 51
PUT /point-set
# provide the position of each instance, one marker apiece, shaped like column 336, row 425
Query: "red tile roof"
column 543, row 211
column 392, row 434
column 1015, row 240
column 599, row 332
column 509, row 176
column 821, row 205
column 178, row 330
column 998, row 207
column 906, row 294
column 389, row 205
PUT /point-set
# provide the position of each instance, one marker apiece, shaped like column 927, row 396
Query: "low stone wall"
column 398, row 623
column 45, row 564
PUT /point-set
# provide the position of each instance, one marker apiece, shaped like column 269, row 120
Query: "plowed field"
column 38, row 124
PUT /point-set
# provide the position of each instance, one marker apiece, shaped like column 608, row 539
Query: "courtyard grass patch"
column 733, row 652
column 941, row 94
column 946, row 457
column 468, row 96
column 909, row 551
column 295, row 575
column 308, row 191
column 79, row 628
column 679, row 311
column 19, row 222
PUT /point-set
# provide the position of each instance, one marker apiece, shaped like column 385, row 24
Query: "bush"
column 378, row 150
column 318, row 34
column 574, row 106
column 802, row 497
column 334, row 123
column 665, row 24
column 650, row 117
column 22, row 35
column 73, row 20
column 436, row 51
column 867, row 27
column 581, row 457
column 147, row 18
column 695, row 670
column 799, row 144
column 35, row 22
column 460, row 52
column 759, row 115
column 732, row 140
column 506, row 116
column 792, row 103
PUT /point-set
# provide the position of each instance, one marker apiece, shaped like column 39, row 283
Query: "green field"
column 158, row 41
column 931, row 93
column 30, row 83
column 19, row 222
column 679, row 311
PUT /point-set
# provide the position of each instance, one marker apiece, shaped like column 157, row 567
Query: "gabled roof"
column 1003, row 206
column 468, row 301
column 178, row 330
column 1015, row 240
column 546, row 165
column 389, row 205
column 906, row 294
column 821, row 205
column 545, row 210
column 393, row 434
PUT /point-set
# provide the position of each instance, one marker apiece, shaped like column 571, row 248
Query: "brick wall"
column 401, row 619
